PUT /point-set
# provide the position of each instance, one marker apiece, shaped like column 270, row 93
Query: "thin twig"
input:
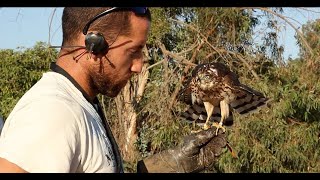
column 175, row 56
column 296, row 29
column 194, row 45
column 216, row 49
column 50, row 23
column 309, row 10
column 155, row 64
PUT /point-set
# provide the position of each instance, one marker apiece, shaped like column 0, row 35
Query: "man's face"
column 111, row 73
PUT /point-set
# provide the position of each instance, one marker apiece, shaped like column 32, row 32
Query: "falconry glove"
column 197, row 152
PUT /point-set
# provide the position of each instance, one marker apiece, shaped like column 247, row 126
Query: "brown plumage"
column 213, row 92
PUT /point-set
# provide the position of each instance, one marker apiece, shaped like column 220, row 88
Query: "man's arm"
column 9, row 167
column 197, row 152
column 40, row 139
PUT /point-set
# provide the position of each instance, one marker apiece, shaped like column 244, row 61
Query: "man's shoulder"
column 51, row 87
column 52, row 83
column 48, row 95
column 52, row 94
column 47, row 113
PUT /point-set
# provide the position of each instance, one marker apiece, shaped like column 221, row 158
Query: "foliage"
column 19, row 70
column 281, row 137
column 311, row 32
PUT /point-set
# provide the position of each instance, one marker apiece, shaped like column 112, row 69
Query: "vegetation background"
column 282, row 137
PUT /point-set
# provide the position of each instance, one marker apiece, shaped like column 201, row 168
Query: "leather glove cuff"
column 197, row 152
column 171, row 161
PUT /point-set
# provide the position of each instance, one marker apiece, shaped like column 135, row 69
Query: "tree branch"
column 296, row 29
column 217, row 50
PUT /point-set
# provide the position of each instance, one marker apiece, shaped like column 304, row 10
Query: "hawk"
column 213, row 91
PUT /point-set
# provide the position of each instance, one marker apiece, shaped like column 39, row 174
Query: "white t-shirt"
column 1, row 123
column 53, row 128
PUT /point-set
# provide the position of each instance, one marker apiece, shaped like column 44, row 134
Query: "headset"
column 95, row 43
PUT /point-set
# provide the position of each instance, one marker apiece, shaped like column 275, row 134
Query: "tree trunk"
column 126, row 103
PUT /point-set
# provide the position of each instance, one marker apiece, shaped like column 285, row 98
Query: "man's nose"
column 137, row 65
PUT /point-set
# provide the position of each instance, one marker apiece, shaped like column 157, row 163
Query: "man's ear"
column 96, row 44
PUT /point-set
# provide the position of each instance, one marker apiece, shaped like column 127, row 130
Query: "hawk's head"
column 205, row 76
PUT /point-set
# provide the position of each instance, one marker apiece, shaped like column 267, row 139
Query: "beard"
column 107, row 84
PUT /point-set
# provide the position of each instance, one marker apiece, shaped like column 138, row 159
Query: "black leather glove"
column 197, row 152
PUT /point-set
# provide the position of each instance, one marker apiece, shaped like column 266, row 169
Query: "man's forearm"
column 154, row 164
column 162, row 162
column 197, row 152
column 169, row 161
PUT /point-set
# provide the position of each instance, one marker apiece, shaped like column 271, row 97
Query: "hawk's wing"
column 248, row 100
column 197, row 114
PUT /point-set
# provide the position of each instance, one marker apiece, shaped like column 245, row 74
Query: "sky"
column 23, row 27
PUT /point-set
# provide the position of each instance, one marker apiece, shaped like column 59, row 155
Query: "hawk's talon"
column 218, row 126
column 206, row 126
column 196, row 131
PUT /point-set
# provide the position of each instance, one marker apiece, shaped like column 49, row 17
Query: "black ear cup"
column 96, row 44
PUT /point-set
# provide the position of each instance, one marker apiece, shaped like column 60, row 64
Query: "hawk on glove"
column 214, row 92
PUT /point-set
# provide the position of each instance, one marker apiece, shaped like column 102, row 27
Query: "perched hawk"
column 213, row 91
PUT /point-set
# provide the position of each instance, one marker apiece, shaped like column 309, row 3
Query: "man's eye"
column 136, row 54
column 132, row 51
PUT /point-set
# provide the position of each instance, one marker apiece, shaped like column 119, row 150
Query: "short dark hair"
column 74, row 20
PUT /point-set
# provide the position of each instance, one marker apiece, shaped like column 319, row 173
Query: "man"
column 1, row 123
column 58, row 125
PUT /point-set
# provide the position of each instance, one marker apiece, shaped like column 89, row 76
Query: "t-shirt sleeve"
column 1, row 123
column 41, row 137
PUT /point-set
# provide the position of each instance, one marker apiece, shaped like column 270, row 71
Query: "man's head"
column 125, row 31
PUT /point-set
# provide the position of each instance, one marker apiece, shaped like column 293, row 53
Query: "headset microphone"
column 67, row 47
column 95, row 44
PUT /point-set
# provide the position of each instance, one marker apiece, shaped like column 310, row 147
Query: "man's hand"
column 197, row 152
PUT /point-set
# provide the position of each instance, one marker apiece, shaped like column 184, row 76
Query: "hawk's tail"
column 197, row 114
column 248, row 100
